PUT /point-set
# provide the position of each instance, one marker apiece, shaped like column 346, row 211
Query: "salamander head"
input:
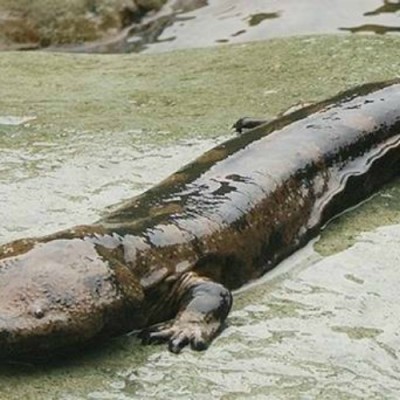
column 62, row 293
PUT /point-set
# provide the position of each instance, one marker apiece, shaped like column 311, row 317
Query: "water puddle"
column 15, row 121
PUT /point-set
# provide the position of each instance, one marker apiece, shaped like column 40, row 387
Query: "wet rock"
column 143, row 24
column 41, row 23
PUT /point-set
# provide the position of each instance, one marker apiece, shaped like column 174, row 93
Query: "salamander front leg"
column 244, row 124
column 203, row 308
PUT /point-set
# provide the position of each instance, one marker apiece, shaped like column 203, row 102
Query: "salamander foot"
column 202, row 310
column 189, row 329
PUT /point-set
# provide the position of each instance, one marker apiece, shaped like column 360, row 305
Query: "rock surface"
column 26, row 24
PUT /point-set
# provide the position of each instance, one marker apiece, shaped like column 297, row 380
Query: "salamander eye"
column 37, row 311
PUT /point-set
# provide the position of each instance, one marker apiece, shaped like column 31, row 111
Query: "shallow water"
column 314, row 328
column 323, row 328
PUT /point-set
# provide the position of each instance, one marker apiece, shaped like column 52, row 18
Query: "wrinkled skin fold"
column 166, row 261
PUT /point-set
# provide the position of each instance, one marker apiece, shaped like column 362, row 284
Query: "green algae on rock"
column 194, row 92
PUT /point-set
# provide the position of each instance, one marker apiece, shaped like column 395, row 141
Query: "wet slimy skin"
column 166, row 261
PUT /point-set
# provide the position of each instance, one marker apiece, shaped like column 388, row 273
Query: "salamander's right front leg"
column 203, row 308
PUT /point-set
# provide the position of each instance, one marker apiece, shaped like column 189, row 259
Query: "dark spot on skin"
column 237, row 178
column 240, row 224
column 224, row 189
column 68, row 300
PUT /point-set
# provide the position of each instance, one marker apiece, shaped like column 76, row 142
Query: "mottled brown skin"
column 171, row 255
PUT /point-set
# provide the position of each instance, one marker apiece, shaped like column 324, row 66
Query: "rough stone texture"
column 40, row 23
